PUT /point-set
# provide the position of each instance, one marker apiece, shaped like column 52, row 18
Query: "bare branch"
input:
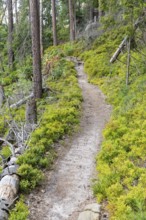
column 22, row 101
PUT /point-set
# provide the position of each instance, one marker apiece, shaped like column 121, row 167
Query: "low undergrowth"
column 121, row 164
column 58, row 115
column 61, row 112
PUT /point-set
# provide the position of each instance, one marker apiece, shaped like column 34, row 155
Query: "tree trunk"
column 72, row 20
column 118, row 51
column 100, row 11
column 16, row 11
column 2, row 95
column 35, row 33
column 128, row 61
column 41, row 27
column 10, row 34
column 31, row 112
column 54, row 22
column 91, row 16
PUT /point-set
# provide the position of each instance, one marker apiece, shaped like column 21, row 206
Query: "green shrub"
column 20, row 212
column 59, row 118
column 121, row 170
column 30, row 177
column 6, row 152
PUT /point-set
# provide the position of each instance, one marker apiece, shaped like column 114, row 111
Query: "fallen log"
column 22, row 101
column 123, row 43
column 118, row 51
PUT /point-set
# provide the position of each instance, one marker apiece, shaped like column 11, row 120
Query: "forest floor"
column 67, row 187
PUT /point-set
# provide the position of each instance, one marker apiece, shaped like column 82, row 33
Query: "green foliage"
column 5, row 152
column 30, row 177
column 60, row 115
column 121, row 12
column 121, row 162
column 20, row 212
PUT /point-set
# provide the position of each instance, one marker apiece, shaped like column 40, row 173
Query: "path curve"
column 67, row 186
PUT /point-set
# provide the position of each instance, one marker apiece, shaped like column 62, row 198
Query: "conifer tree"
column 35, row 32
column 10, row 34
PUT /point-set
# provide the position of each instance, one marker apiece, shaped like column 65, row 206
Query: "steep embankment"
column 68, row 185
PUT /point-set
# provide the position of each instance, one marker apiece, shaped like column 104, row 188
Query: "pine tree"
column 72, row 19
column 54, row 22
column 10, row 34
column 35, row 32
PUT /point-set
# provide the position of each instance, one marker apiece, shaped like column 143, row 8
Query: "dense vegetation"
column 121, row 164
column 58, row 115
column 121, row 183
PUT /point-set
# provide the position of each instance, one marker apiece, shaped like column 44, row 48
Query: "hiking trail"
column 67, row 187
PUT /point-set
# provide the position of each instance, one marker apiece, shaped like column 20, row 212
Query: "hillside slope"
column 121, row 183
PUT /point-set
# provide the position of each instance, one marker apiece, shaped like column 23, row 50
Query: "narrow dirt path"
column 67, row 186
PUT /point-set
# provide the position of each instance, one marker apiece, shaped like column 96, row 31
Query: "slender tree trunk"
column 91, row 17
column 54, row 22
column 1, row 62
column 16, row 11
column 3, row 15
column 41, row 27
column 128, row 61
column 72, row 20
column 10, row 34
column 100, row 11
column 31, row 112
column 35, row 33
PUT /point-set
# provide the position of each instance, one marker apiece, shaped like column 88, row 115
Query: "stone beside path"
column 91, row 212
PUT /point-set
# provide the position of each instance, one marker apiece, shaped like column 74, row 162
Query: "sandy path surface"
column 67, row 187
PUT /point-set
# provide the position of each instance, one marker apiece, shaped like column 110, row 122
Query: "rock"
column 89, row 215
column 93, row 207
column 3, row 215
column 12, row 161
column 10, row 170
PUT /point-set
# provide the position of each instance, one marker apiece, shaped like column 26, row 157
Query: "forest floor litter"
column 66, row 189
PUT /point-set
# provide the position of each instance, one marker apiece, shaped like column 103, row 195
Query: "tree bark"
column 22, row 101
column 31, row 112
column 10, row 34
column 3, row 15
column 41, row 27
column 100, row 11
column 54, row 22
column 128, row 61
column 16, row 11
column 35, row 33
column 2, row 95
column 91, row 16
column 118, row 51
column 72, row 20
